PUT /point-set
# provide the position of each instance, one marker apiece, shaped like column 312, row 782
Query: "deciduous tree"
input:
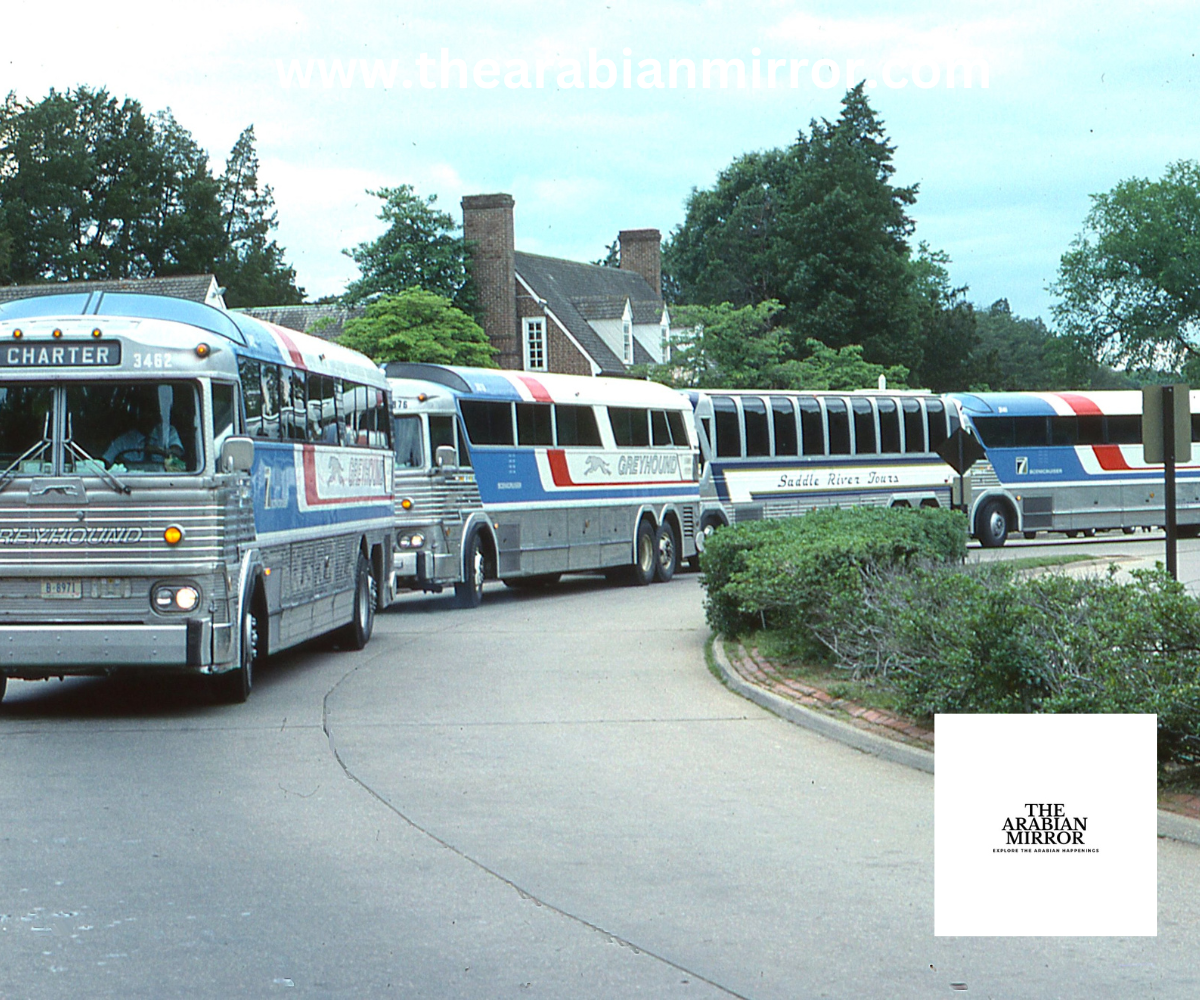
column 418, row 325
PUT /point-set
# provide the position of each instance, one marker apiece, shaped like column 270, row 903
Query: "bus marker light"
column 56, row 333
column 267, row 571
column 406, row 503
column 173, row 535
column 96, row 332
column 202, row 350
column 17, row 334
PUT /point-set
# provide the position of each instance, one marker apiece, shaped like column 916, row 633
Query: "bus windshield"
column 132, row 427
column 25, row 427
column 406, row 435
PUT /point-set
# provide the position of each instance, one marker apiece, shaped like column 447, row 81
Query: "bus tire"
column 3, row 685
column 666, row 546
column 233, row 687
column 468, row 592
column 357, row 633
column 645, row 549
column 993, row 524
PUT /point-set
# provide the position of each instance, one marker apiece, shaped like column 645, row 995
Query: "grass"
column 1044, row 562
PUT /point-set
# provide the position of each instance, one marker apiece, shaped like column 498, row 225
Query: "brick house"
column 552, row 315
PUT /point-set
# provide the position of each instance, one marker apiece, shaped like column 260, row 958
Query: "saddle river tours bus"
column 526, row 477
column 183, row 489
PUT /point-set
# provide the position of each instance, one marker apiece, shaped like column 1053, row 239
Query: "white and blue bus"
column 1069, row 462
column 183, row 489
column 525, row 477
column 770, row 453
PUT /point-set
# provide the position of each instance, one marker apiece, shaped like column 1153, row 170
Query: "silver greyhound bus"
column 183, row 489
column 526, row 477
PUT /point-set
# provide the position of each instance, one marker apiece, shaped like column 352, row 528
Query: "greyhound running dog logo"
column 335, row 475
column 596, row 464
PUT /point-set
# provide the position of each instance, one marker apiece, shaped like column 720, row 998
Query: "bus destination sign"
column 55, row 354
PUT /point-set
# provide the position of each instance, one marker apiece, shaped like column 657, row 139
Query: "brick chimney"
column 641, row 252
column 488, row 226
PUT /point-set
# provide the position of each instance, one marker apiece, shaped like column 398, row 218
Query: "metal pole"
column 1168, row 419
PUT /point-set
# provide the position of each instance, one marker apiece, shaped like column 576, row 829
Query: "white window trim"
column 527, row 324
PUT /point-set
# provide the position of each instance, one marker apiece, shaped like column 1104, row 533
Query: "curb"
column 1171, row 825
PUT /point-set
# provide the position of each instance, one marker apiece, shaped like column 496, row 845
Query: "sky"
column 560, row 105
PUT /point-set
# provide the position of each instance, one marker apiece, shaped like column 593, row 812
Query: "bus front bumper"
column 37, row 651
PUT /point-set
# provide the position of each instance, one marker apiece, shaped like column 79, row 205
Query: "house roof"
column 576, row 293
column 325, row 320
column 194, row 287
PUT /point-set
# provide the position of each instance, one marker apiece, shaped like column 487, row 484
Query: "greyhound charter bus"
column 1069, row 462
column 526, row 477
column 183, row 489
column 769, row 453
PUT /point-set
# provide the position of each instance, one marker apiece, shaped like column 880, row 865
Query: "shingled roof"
column 577, row 292
column 325, row 320
column 195, row 287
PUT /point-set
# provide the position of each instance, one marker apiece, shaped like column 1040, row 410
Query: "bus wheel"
column 358, row 633
column 1030, row 535
column 993, row 524
column 3, row 685
column 667, row 546
column 233, row 687
column 646, row 550
column 468, row 593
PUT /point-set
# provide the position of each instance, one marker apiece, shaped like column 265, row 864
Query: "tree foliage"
column 418, row 325
column 251, row 264
column 419, row 249
column 744, row 348
column 92, row 188
column 820, row 228
column 1130, row 282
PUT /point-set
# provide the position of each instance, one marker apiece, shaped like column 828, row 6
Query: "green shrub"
column 785, row 573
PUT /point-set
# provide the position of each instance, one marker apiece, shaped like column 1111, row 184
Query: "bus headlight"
column 169, row 597
column 410, row 540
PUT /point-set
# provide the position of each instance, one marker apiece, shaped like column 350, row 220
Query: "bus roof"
column 493, row 383
column 260, row 339
column 1050, row 404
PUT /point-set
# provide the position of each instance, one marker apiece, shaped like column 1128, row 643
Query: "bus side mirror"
column 237, row 455
column 445, row 457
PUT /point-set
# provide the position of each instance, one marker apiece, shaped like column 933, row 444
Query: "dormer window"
column 627, row 340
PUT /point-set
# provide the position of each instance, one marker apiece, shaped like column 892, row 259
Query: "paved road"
column 549, row 796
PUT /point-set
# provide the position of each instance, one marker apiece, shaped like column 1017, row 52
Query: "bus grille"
column 689, row 522
column 436, row 501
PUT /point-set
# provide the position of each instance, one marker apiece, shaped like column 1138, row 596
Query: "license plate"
column 62, row 589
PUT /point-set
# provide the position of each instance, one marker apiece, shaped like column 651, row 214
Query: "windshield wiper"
column 95, row 465
column 9, row 474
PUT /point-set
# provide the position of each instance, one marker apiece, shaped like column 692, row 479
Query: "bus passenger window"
column 914, row 426
column 1031, row 432
column 889, row 426
column 729, row 435
column 576, row 425
column 322, row 410
column 270, row 403
column 250, row 373
column 292, row 407
column 660, row 433
column 533, row 424
column 1064, row 431
column 1126, row 429
column 406, row 432
column 864, row 426
column 754, row 411
column 441, row 433
column 630, row 427
column 488, row 423
column 936, row 415
column 839, row 426
column 784, row 420
column 812, row 426
column 679, row 436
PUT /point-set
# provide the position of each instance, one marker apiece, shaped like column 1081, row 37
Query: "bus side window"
column 660, row 433
column 864, row 426
column 1031, row 432
column 322, row 410
column 754, row 412
column 292, row 406
column 784, row 420
column 889, row 426
column 224, row 412
column 679, row 436
column 534, row 426
column 729, row 438
column 487, row 422
column 936, row 415
column 576, row 425
column 630, row 427
column 839, row 426
column 812, row 426
column 1124, row 429
column 270, row 403
column 250, row 372
column 464, row 449
column 914, row 426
